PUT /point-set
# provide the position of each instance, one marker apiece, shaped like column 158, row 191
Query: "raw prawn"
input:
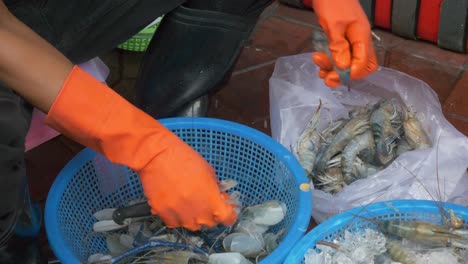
column 426, row 233
column 363, row 143
column 364, row 169
column 385, row 122
column 309, row 142
column 398, row 253
column 331, row 181
column 414, row 132
column 354, row 127
column 403, row 146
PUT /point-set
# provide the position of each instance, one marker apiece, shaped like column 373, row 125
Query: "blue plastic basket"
column 264, row 169
column 357, row 219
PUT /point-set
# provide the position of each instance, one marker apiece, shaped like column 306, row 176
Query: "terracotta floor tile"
column 440, row 78
column 297, row 15
column 312, row 224
column 457, row 102
column 387, row 39
column 252, row 56
column 73, row 146
column 248, row 95
column 381, row 54
column 263, row 125
column 459, row 122
column 308, row 46
column 43, row 164
column 281, row 38
column 218, row 109
column 432, row 52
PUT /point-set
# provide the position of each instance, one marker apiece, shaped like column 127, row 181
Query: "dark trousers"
column 81, row 30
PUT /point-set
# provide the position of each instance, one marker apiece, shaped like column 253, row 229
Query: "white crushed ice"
column 355, row 248
column 440, row 256
column 369, row 247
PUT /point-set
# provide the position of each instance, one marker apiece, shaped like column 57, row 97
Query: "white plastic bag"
column 295, row 91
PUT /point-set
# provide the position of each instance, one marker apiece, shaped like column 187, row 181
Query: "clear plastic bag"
column 295, row 91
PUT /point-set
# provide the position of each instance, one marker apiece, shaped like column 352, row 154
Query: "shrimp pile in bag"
column 387, row 107
column 359, row 146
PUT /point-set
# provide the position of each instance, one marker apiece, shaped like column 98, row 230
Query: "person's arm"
column 28, row 64
column 181, row 187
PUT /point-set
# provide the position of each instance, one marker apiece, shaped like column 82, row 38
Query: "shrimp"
column 359, row 110
column 398, row 253
column 417, row 137
column 331, row 181
column 332, row 129
column 353, row 127
column 173, row 257
column 309, row 143
column 364, row 169
column 455, row 221
column 425, row 233
column 403, row 146
column 332, row 178
column 385, row 122
column 329, row 134
column 361, row 143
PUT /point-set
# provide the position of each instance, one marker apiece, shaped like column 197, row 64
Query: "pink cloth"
column 38, row 132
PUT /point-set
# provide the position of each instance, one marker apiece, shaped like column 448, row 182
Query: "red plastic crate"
column 383, row 13
column 428, row 17
column 428, row 22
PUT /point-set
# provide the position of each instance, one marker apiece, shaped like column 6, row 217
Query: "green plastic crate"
column 140, row 41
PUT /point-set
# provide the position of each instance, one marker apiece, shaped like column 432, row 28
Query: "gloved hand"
column 350, row 40
column 180, row 185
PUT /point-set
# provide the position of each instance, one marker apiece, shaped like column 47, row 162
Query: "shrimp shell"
column 364, row 141
column 425, row 233
column 455, row 221
column 309, row 143
column 398, row 253
column 354, row 127
column 385, row 121
column 331, row 181
column 364, row 169
column 174, row 257
column 417, row 137
column 332, row 129
column 403, row 146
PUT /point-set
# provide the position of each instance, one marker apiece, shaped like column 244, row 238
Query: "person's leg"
column 17, row 216
column 84, row 29
column 192, row 53
column 15, row 117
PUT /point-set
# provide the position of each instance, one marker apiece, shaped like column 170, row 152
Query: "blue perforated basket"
column 358, row 219
column 264, row 169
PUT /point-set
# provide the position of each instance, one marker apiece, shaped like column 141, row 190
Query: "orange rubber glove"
column 180, row 185
column 350, row 40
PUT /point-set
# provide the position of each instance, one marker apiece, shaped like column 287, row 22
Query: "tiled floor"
column 244, row 99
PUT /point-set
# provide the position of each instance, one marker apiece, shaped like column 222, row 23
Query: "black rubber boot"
column 192, row 53
column 23, row 246
column 197, row 108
